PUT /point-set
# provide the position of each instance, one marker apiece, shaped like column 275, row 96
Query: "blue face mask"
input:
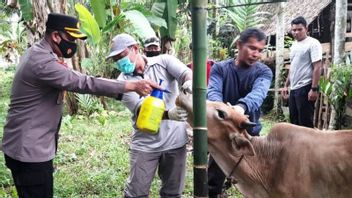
column 125, row 65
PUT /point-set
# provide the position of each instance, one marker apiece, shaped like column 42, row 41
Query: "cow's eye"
column 221, row 114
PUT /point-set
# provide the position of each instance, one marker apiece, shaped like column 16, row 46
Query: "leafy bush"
column 337, row 88
column 89, row 104
column 6, row 187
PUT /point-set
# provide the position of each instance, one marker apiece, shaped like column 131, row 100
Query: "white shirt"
column 303, row 54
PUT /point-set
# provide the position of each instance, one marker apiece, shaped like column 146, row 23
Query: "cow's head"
column 227, row 135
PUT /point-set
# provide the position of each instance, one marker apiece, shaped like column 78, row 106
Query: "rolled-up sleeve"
column 176, row 68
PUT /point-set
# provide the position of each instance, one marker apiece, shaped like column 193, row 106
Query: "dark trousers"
column 301, row 110
column 216, row 178
column 32, row 180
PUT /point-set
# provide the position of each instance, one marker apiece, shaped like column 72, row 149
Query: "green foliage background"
column 93, row 158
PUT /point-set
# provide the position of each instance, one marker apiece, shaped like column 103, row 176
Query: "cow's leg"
column 216, row 178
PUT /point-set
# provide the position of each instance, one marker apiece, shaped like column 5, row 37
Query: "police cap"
column 65, row 23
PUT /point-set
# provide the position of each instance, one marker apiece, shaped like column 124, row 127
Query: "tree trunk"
column 36, row 27
column 57, row 6
column 215, row 16
column 71, row 103
column 340, row 31
column 339, row 47
column 81, row 53
column 166, row 46
column 75, row 63
column 280, row 35
column 12, row 3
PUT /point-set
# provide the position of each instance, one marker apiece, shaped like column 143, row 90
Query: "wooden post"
column 339, row 44
column 280, row 35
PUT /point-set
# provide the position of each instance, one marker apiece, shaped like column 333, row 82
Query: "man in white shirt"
column 304, row 73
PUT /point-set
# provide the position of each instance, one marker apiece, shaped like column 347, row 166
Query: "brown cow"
column 290, row 162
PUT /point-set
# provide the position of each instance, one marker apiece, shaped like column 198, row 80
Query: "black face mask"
column 67, row 48
column 152, row 53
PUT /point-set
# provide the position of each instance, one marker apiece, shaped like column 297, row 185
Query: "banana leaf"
column 98, row 7
column 114, row 22
column 170, row 18
column 88, row 24
column 158, row 8
column 139, row 24
column 156, row 21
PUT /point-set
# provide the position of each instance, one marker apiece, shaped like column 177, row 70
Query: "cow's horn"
column 248, row 124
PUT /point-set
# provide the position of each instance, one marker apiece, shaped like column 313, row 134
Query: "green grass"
column 267, row 123
column 92, row 159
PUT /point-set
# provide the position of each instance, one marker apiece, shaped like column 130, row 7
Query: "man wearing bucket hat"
column 164, row 151
column 31, row 130
column 152, row 46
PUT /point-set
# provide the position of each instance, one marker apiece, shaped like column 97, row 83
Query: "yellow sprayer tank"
column 151, row 112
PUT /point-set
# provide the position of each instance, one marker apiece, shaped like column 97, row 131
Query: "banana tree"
column 168, row 34
column 132, row 18
column 244, row 16
column 34, row 15
column 104, row 24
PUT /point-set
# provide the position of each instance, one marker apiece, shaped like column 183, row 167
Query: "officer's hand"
column 142, row 87
column 178, row 114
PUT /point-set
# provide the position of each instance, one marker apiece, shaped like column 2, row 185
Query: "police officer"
column 34, row 117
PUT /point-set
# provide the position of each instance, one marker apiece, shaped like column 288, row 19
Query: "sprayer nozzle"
column 166, row 91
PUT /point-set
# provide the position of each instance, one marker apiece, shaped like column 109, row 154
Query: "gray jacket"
column 34, row 116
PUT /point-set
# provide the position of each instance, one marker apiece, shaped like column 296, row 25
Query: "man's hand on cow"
column 187, row 86
column 313, row 95
column 237, row 108
column 178, row 114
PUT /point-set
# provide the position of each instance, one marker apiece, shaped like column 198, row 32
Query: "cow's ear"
column 241, row 145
